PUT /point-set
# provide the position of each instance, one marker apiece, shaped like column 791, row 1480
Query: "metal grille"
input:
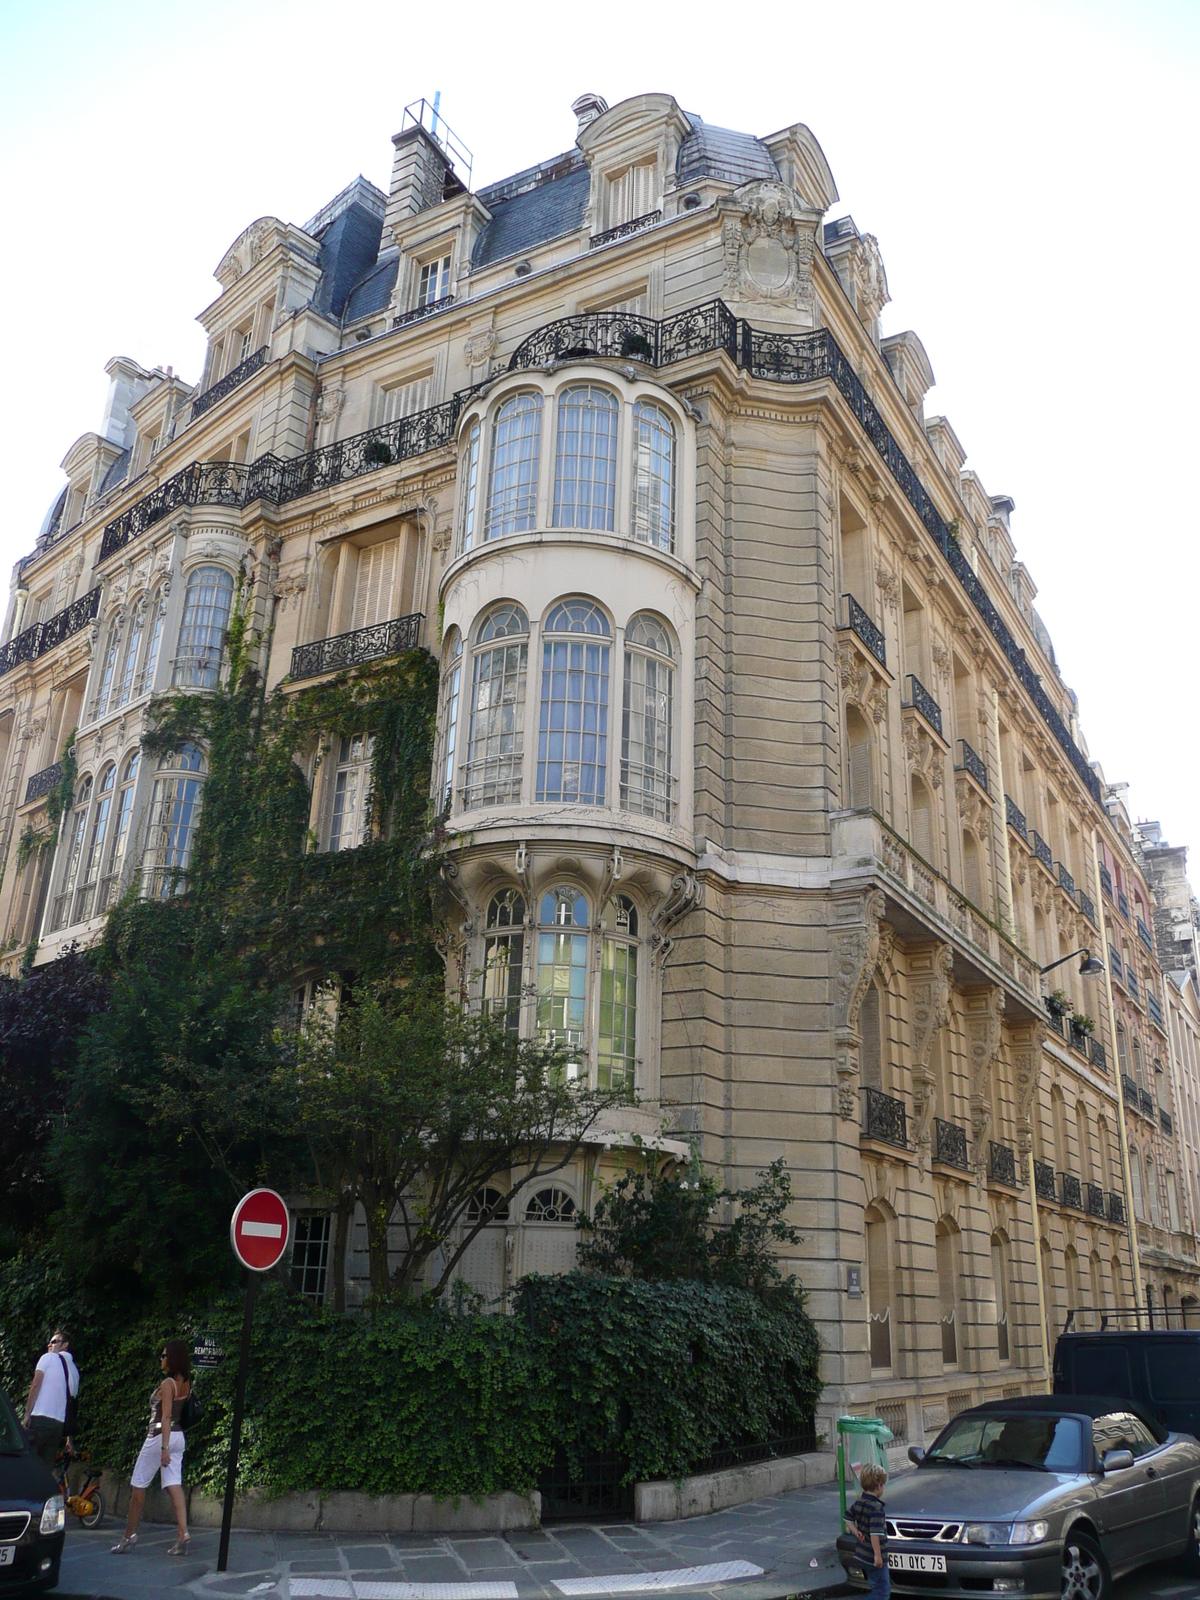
column 434, row 306
column 1122, row 904
column 12, row 1525
column 1098, row 1053
column 42, row 782
column 1072, row 1193
column 1106, row 881
column 950, row 1144
column 624, row 229
column 1065, row 879
column 860, row 623
column 1095, row 1200
column 203, row 483
column 1087, row 906
column 920, row 699
column 1146, row 1103
column 229, row 382
column 920, row 1528
column 351, row 649
column 1131, row 981
column 1002, row 1164
column 1130, row 1090
column 1143, row 933
column 741, row 1455
column 884, row 1118
column 1016, row 818
column 1165, row 1120
column 1042, row 850
column 1043, row 1180
column 1154, row 1008
column 1114, row 964
column 1116, row 1208
column 594, row 1492
column 968, row 761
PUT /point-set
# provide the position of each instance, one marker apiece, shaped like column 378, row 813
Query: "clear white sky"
column 1030, row 171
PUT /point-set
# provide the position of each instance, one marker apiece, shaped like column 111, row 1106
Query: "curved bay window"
column 469, row 473
column 573, row 722
column 652, row 512
column 108, row 668
column 207, row 602
column 504, row 959
column 158, row 615
column 513, row 478
column 448, row 720
column 585, row 463
column 646, row 719
column 76, row 834
column 119, row 835
column 616, row 1055
column 126, row 686
column 495, row 743
column 562, row 972
column 174, row 807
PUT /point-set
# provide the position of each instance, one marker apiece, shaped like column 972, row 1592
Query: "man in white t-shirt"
column 56, row 1378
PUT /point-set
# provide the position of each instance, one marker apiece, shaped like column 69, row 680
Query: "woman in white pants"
column 163, row 1449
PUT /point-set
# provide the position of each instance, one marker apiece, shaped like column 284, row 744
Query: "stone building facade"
column 766, row 793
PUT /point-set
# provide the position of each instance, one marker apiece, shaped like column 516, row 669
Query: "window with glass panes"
column 573, row 719
column 90, row 871
column 310, row 1255
column 652, row 513
column 75, row 837
column 562, row 969
column 348, row 811
column 448, row 720
column 503, row 959
column 616, row 1052
column 119, row 835
column 646, row 716
column 433, row 282
column 207, row 603
column 469, row 478
column 496, row 740
column 127, row 678
column 512, row 480
column 585, row 465
column 174, row 810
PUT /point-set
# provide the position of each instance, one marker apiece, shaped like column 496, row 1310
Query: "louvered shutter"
column 375, row 583
column 871, row 1058
column 860, row 763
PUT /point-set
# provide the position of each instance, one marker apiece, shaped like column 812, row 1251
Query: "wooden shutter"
column 972, row 880
column 375, row 584
column 871, row 1058
column 404, row 398
column 922, row 822
column 860, row 762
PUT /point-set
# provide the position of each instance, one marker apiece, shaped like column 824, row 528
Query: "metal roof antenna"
column 437, row 106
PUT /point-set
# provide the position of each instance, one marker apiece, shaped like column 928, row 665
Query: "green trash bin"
column 868, row 1440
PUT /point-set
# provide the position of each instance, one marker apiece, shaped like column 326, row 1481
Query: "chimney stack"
column 587, row 108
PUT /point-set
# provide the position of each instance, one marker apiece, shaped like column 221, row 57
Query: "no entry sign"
column 259, row 1230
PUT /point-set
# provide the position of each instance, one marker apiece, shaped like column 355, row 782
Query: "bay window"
column 573, row 720
column 207, row 602
column 513, row 479
column 496, row 739
column 646, row 718
column 585, row 466
column 174, row 810
column 652, row 513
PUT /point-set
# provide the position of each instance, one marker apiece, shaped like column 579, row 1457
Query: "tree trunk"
column 379, row 1208
column 341, row 1243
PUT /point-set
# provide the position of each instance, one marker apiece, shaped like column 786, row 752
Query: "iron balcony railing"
column 203, row 483
column 1122, row 904
column 1087, row 905
column 1106, row 881
column 1079, row 1039
column 860, row 623
column 1131, row 981
column 1043, row 1181
column 1042, row 850
column 920, row 699
column 1002, row 1164
column 419, row 313
column 43, row 636
column 1071, row 1192
column 1065, row 879
column 1094, row 1198
column 352, row 649
column 1114, row 965
column 1144, row 934
column 968, row 761
column 1130, row 1091
column 42, row 782
column 884, row 1118
column 1165, row 1121
column 1116, row 1208
column 1098, row 1053
column 229, row 382
column 1146, row 1103
column 950, row 1144
column 624, row 229
column 1155, row 1009
column 1016, row 818
column 1057, row 1021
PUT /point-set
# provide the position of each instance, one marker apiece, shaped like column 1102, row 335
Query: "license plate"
column 906, row 1561
column 7, row 1555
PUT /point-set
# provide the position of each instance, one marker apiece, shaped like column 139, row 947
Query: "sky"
column 1028, row 169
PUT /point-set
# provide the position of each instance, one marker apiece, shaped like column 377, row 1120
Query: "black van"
column 1158, row 1370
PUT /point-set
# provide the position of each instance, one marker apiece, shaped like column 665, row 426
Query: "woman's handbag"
column 190, row 1413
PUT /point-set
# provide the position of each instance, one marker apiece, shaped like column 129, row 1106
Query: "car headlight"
column 1029, row 1532
column 54, row 1515
column 986, row 1532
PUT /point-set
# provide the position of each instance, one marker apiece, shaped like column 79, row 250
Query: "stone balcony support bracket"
column 929, row 986
column 983, row 1014
column 857, row 938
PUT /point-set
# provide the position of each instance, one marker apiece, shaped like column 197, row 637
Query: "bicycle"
column 88, row 1504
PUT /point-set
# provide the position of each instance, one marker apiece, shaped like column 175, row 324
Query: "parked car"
column 1159, row 1370
column 1042, row 1497
column 32, row 1514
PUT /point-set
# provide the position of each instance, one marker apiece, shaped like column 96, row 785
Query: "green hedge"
column 416, row 1398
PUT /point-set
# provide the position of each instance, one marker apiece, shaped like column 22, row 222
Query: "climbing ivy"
column 59, row 800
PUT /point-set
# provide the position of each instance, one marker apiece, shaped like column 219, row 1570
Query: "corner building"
column 765, row 792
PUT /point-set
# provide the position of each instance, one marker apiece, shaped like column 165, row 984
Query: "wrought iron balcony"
column 1122, row 904
column 860, row 623
column 1155, row 1009
column 1041, row 850
column 1065, row 879
column 1146, row 1103
column 1130, row 1091
column 920, row 699
column 1098, row 1054
column 1094, row 1199
column 1057, row 1022
column 229, row 382
column 1116, row 1208
column 203, row 483
column 1070, row 1191
column 950, row 1144
column 968, row 761
column 42, row 782
column 352, row 649
column 884, row 1118
column 419, row 313
column 1087, row 906
column 1115, row 966
column 1145, row 935
column 1106, row 881
column 43, row 636
column 1002, row 1164
column 624, row 229
column 1079, row 1039
column 1043, row 1181
column 1016, row 818
column 1131, row 981
column 1165, row 1121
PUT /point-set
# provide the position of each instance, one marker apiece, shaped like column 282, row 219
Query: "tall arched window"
column 469, row 478
column 94, row 855
column 573, row 721
column 158, row 614
column 1137, row 1062
column 922, row 820
column 947, row 1269
column 647, row 716
column 513, row 479
column 1104, row 1172
column 871, row 1050
column 1122, row 1049
column 562, row 970
column 1152, row 1191
column 617, row 1041
column 972, row 869
column 127, row 678
column 1135, row 1177
column 448, row 719
column 1001, row 1281
column 174, row 808
column 652, row 514
column 504, row 959
column 350, row 801
column 495, row 745
column 76, row 834
column 207, row 602
column 1083, row 1141
column 108, row 667
column 879, row 1287
column 118, row 835
column 585, row 462
column 858, row 756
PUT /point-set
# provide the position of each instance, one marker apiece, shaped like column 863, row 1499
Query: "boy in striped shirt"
column 870, row 1532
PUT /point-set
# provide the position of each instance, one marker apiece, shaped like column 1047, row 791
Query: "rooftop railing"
column 231, row 380
column 859, row 622
column 968, row 761
column 43, row 636
column 920, row 699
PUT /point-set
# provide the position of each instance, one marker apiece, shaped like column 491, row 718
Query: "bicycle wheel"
column 96, row 1515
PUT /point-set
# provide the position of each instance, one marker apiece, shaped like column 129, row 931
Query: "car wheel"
column 1191, row 1559
column 1084, row 1571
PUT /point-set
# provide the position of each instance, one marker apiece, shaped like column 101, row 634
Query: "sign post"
column 259, row 1235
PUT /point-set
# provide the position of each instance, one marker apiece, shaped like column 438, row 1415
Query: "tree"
column 657, row 1222
column 415, row 1106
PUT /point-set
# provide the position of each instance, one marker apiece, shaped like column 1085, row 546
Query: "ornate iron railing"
column 1087, row 906
column 1155, row 1009
column 1057, row 1021
column 1123, row 904
column 884, row 1118
column 1145, row 935
column 860, row 623
column 419, row 313
column 1043, row 1180
column 920, row 699
column 272, row 478
column 621, row 335
column 1106, row 881
column 1016, row 818
column 624, row 229
column 352, row 649
column 1094, row 1199
column 1065, row 879
column 950, row 1144
column 203, row 483
column 968, row 761
column 1131, row 981
column 1116, row 1208
column 1146, row 1103
column 1041, row 850
column 1071, row 1191
column 1130, row 1090
column 1079, row 1039
column 1002, row 1164
column 1114, row 964
column 1098, row 1054
column 42, row 782
column 229, row 382
column 43, row 636
column 1165, row 1121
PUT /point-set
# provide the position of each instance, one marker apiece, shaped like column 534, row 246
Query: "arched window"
column 617, row 1042
column 207, row 602
column 94, row 855
column 922, row 820
column 1122, row 1049
column 652, row 514
column 1135, row 1177
column 1001, row 1280
column 1152, row 1190
column 858, row 754
column 1172, row 1202
column 1137, row 1061
column 972, row 869
column 647, row 717
column 1104, row 1172
column 573, row 722
column 550, row 1205
column 495, row 746
column 469, row 478
column 1050, row 1286
column 585, row 463
column 562, row 970
column 158, row 614
column 350, row 802
column 174, row 808
column 108, row 667
column 448, row 719
column 1118, row 1283
column 871, row 1050
column 513, row 480
column 947, row 1269
column 1083, row 1142
column 503, row 959
column 127, row 678
column 75, row 835
column 487, row 1205
column 879, row 1288
column 119, row 835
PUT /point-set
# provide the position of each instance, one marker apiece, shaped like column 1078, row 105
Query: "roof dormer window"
column 633, row 193
column 433, row 283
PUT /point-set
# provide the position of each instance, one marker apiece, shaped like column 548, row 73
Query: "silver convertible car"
column 1046, row 1497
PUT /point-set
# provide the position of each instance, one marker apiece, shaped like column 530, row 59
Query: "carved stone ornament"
column 684, row 895
column 247, row 250
column 861, row 678
column 856, row 940
column 769, row 237
column 870, row 279
column 1025, row 1053
column 888, row 583
column 983, row 1013
column 973, row 810
column 330, row 404
column 480, row 348
column 924, row 753
column 929, row 974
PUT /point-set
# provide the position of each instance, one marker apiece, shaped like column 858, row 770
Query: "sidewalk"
column 758, row 1551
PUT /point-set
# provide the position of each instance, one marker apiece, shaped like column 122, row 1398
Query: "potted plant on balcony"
column 636, row 344
column 1058, row 1005
column 378, row 453
column 1082, row 1023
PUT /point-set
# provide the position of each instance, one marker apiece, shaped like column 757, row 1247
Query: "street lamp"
column 1091, row 968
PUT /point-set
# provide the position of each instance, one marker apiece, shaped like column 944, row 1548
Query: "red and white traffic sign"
column 259, row 1230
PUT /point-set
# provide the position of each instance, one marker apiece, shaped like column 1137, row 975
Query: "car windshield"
column 1033, row 1440
column 11, row 1442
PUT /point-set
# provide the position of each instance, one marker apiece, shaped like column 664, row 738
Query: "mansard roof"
column 723, row 154
column 525, row 217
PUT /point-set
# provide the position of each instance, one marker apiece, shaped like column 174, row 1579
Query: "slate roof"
column 724, row 154
column 522, row 221
column 116, row 472
column 349, row 248
column 373, row 291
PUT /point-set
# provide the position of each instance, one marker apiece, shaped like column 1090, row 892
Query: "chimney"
column 587, row 108
column 419, row 170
